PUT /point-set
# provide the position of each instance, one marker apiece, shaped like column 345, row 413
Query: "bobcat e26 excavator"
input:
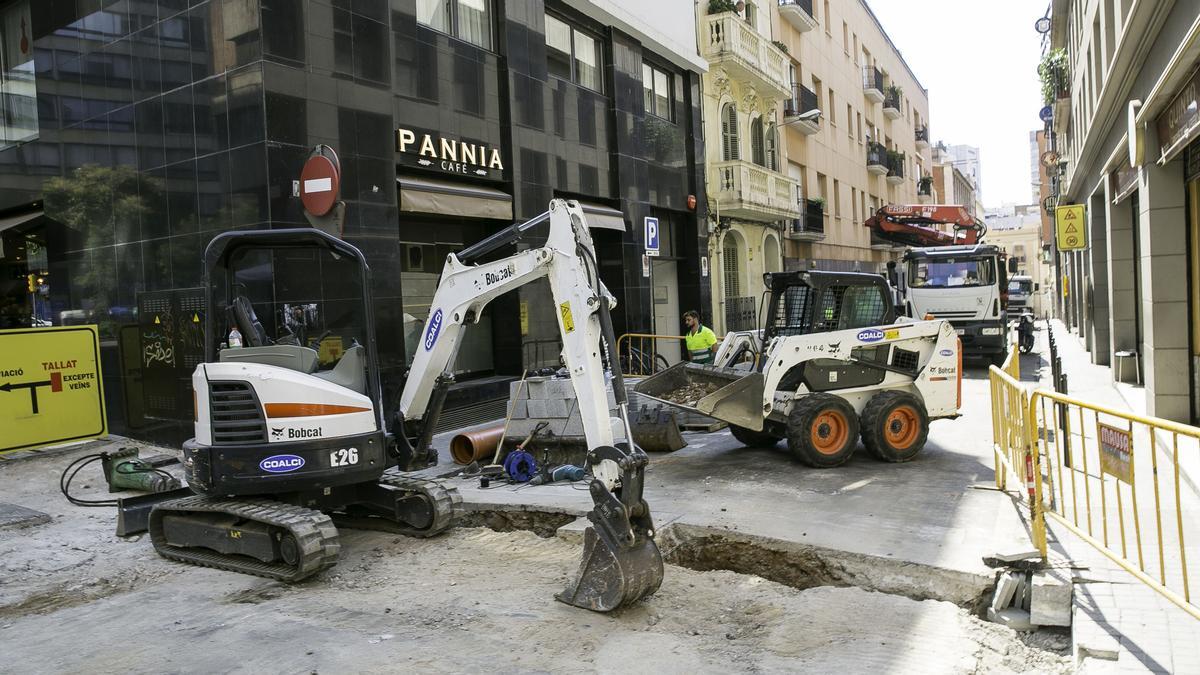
column 284, row 450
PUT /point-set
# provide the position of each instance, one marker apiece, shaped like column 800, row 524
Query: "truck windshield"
column 1020, row 286
column 947, row 272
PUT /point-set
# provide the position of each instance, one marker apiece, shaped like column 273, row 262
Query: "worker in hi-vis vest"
column 701, row 342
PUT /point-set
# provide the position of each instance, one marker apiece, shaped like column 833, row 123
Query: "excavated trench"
column 801, row 567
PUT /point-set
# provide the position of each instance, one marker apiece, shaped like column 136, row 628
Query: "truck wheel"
column 753, row 439
column 822, row 430
column 894, row 426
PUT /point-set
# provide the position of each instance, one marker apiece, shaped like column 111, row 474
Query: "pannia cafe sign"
column 448, row 154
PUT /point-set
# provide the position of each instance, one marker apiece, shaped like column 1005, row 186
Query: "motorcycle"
column 1025, row 333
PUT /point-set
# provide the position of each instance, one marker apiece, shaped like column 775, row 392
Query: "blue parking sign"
column 651, row 236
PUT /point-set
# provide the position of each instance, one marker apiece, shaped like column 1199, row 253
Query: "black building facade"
column 135, row 131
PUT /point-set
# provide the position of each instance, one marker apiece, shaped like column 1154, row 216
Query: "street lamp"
column 807, row 116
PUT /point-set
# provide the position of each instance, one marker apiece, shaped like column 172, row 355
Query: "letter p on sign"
column 651, row 236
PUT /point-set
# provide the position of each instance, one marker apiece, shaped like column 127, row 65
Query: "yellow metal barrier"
column 1013, row 445
column 1096, row 461
column 639, row 353
column 1085, row 466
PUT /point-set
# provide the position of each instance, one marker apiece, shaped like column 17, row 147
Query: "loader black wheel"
column 822, row 430
column 894, row 426
column 753, row 439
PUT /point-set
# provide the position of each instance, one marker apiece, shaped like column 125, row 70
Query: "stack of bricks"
column 551, row 400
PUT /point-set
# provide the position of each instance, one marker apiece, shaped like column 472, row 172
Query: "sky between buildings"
column 978, row 59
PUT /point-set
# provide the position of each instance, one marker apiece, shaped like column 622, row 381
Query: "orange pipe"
column 472, row 446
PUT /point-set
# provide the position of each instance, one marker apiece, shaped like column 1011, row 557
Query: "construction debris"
column 691, row 394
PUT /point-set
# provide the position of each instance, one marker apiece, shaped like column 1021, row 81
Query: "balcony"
column 925, row 190
column 895, row 167
column 873, row 84
column 891, row 103
column 877, row 159
column 922, row 137
column 747, row 56
column 810, row 226
column 747, row 190
column 803, row 100
column 799, row 13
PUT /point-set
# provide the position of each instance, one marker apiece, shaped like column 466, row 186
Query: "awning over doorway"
column 9, row 222
column 603, row 217
column 445, row 198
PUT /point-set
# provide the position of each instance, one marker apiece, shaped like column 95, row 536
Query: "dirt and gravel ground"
column 75, row 598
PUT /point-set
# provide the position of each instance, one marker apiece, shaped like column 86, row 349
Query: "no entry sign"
column 319, row 183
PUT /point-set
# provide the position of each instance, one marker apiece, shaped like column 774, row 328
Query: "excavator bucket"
column 728, row 394
column 657, row 430
column 621, row 562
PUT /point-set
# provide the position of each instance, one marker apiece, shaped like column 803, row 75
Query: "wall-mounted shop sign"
column 451, row 155
column 1177, row 123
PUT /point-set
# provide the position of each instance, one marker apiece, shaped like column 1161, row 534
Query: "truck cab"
column 1020, row 294
column 966, row 285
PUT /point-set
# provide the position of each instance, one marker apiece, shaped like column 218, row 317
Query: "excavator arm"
column 621, row 562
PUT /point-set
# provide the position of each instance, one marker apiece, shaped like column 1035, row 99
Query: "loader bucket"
column 730, row 395
column 613, row 574
column 657, row 430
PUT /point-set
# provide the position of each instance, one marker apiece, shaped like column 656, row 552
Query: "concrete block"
column 14, row 515
column 518, row 390
column 1016, row 619
column 1006, row 589
column 1050, row 603
column 558, row 388
column 1027, row 593
column 574, row 426
column 518, row 409
column 536, row 387
column 547, row 409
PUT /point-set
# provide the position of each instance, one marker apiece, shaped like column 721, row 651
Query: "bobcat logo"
column 276, row 434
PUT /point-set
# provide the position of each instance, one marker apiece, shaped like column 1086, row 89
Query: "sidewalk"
column 1120, row 625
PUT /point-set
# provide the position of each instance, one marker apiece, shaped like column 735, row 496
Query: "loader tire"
column 895, row 426
column 822, row 430
column 753, row 439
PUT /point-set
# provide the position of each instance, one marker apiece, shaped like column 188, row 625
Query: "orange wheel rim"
column 829, row 432
column 902, row 427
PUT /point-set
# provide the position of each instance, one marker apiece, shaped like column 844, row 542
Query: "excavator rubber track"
column 314, row 533
column 446, row 503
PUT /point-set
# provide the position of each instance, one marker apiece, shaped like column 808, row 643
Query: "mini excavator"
column 292, row 439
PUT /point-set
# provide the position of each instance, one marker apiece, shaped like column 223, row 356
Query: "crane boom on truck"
column 948, row 273
column 284, row 449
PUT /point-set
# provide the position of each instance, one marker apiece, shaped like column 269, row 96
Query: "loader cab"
column 819, row 302
column 297, row 299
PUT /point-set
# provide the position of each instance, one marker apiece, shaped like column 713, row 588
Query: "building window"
column 757, row 151
column 18, row 87
column 572, row 54
column 468, row 20
column 729, row 264
column 729, row 133
column 771, row 142
column 832, row 108
column 658, row 90
column 751, row 14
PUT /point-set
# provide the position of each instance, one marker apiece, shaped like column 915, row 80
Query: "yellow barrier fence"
column 640, row 354
column 1110, row 477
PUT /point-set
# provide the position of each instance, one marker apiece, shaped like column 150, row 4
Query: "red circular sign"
column 319, row 183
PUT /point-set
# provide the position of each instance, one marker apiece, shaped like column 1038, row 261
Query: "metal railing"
column 876, row 154
column 639, row 353
column 872, row 79
column 921, row 134
column 812, row 222
column 740, row 313
column 891, row 99
column 895, row 164
column 803, row 99
column 925, row 187
column 1079, row 463
column 806, row 5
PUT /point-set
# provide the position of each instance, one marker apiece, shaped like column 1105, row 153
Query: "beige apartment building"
column 870, row 145
column 751, row 198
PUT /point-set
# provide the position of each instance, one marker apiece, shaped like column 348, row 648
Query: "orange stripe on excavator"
column 310, row 409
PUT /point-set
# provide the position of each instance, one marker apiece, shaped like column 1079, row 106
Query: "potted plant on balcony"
column 721, row 6
column 1053, row 71
column 780, row 46
column 925, row 185
column 815, row 204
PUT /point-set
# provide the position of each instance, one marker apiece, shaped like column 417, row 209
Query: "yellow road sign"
column 1071, row 227
column 50, row 389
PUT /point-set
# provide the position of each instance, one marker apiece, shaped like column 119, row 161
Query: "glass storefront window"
column 468, row 20
column 18, row 88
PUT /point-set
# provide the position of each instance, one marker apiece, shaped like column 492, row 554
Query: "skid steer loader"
column 286, row 450
column 835, row 364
